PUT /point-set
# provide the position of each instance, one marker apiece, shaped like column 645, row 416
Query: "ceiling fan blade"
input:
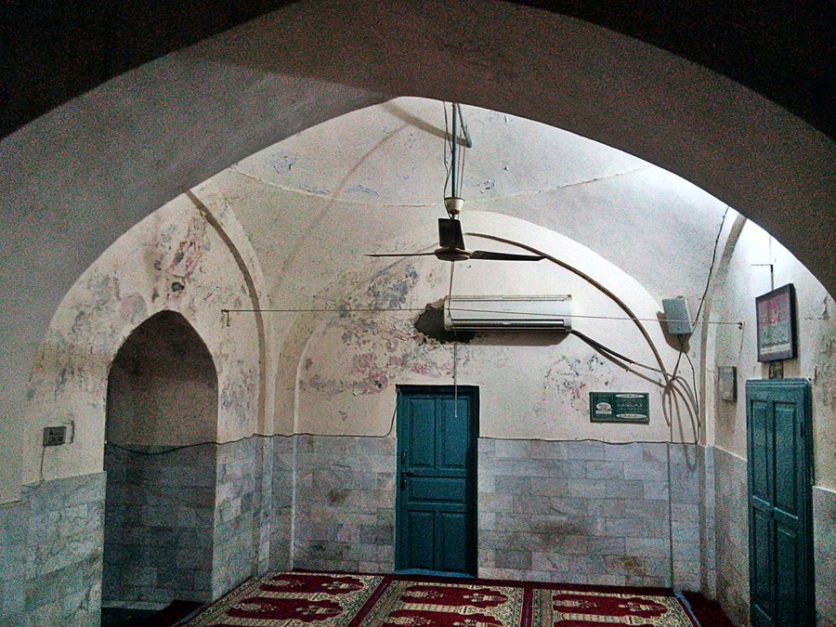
column 450, row 233
column 400, row 254
column 484, row 254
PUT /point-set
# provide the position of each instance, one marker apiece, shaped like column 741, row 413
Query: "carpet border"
column 220, row 599
column 381, row 588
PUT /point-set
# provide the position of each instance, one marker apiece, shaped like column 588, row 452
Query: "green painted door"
column 780, row 502
column 436, row 500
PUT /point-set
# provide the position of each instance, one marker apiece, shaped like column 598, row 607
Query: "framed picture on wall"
column 775, row 313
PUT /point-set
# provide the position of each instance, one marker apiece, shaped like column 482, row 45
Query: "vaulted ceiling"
column 373, row 181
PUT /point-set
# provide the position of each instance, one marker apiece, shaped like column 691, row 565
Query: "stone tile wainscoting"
column 63, row 551
column 824, row 532
column 237, row 514
column 344, row 502
column 159, row 519
column 588, row 512
column 583, row 512
column 281, row 502
column 189, row 524
column 14, row 518
column 732, row 533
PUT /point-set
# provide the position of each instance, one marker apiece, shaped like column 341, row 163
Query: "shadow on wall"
column 160, row 501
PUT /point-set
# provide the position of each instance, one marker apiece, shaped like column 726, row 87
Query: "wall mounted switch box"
column 55, row 436
column 677, row 316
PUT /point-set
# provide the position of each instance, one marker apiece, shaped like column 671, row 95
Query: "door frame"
column 804, row 388
column 471, row 501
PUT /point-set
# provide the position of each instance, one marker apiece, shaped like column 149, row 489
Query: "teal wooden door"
column 436, row 500
column 780, row 502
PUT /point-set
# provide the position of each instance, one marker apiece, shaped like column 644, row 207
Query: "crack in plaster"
column 557, row 188
column 331, row 197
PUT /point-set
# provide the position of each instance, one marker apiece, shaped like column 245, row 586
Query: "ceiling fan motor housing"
column 453, row 254
column 454, row 205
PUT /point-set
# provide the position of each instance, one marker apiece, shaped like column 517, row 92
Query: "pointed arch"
column 162, row 386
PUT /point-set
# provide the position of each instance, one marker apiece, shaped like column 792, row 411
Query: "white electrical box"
column 677, row 316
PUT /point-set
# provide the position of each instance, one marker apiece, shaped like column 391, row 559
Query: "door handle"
column 404, row 476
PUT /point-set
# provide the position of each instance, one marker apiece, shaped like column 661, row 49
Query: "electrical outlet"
column 70, row 424
column 55, row 436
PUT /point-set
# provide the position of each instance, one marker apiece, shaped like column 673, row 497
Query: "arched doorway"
column 162, row 402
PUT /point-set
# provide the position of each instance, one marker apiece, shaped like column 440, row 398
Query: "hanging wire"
column 461, row 309
column 446, row 140
column 455, row 349
column 711, row 267
column 705, row 291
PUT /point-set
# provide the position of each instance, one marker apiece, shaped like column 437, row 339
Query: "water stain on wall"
column 567, row 381
column 379, row 346
column 430, row 323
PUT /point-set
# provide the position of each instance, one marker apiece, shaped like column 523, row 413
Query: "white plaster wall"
column 530, row 386
column 816, row 343
column 138, row 276
column 372, row 180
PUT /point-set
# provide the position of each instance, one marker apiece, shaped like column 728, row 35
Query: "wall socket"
column 55, row 436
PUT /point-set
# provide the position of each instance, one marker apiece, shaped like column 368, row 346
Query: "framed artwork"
column 775, row 313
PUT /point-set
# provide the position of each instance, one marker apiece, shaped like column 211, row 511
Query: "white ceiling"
column 372, row 180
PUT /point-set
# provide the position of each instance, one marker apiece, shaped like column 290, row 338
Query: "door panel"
column 786, row 486
column 421, row 449
column 780, row 502
column 786, row 563
column 761, row 558
column 453, row 534
column 421, row 530
column 436, row 490
column 760, row 431
column 453, row 438
column 436, row 500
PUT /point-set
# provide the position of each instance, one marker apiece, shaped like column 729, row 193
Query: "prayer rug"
column 571, row 606
column 410, row 603
column 300, row 599
column 292, row 599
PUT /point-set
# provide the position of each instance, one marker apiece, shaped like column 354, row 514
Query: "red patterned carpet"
column 346, row 600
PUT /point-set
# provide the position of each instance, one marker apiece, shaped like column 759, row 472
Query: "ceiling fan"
column 450, row 239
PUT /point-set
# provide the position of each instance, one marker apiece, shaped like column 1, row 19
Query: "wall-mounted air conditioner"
column 508, row 313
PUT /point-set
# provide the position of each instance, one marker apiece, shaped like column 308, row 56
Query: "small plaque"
column 629, row 407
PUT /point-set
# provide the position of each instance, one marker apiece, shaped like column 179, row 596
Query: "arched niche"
column 160, row 459
column 163, row 386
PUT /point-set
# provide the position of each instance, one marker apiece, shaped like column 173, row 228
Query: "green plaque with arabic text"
column 625, row 407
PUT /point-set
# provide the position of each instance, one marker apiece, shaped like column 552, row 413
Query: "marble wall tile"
column 13, row 534
column 344, row 503
column 158, row 524
column 238, row 513
column 63, row 548
column 732, row 535
column 587, row 512
column 824, row 532
column 282, row 502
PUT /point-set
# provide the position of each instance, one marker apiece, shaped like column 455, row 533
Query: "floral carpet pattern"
column 560, row 607
column 292, row 599
column 297, row 599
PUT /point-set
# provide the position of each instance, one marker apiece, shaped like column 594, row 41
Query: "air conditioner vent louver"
column 508, row 313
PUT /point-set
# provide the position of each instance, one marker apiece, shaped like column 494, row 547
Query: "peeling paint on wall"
column 168, row 261
column 568, row 382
